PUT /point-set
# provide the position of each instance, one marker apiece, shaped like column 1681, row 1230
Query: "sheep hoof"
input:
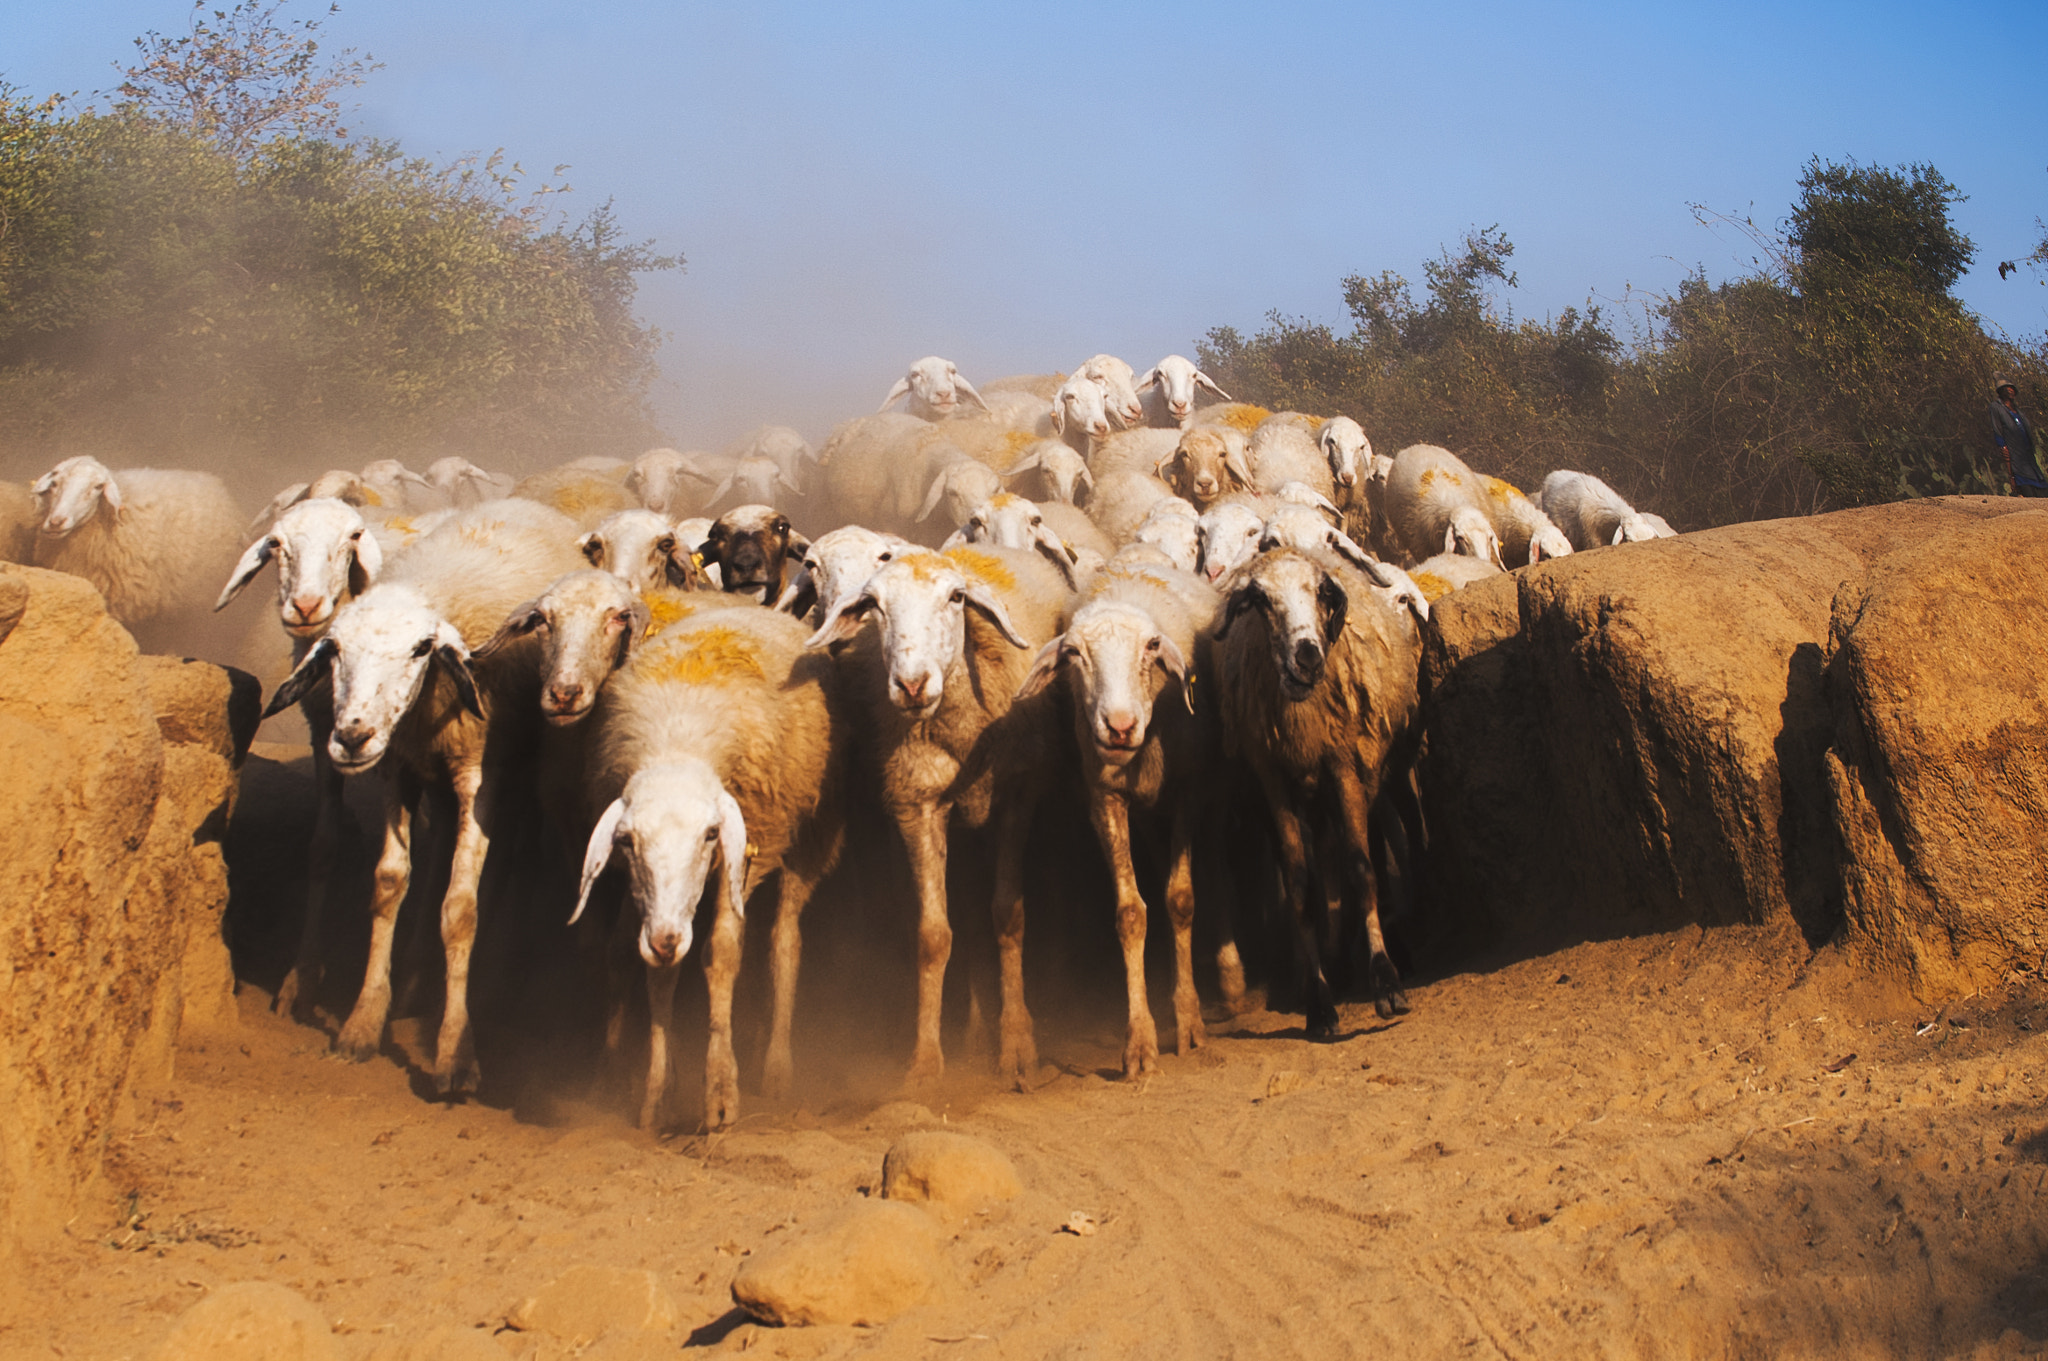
column 1141, row 1056
column 925, row 1071
column 286, row 1003
column 721, row 1101
column 1322, row 1021
column 457, row 1078
column 775, row 1081
column 1387, row 998
column 355, row 1046
column 1192, row 1036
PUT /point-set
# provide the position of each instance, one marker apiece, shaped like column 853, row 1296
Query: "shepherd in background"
column 2015, row 438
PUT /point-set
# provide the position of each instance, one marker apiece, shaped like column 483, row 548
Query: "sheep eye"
column 423, row 647
column 665, row 546
column 1152, row 645
column 958, row 597
column 886, row 557
column 710, row 834
column 351, row 538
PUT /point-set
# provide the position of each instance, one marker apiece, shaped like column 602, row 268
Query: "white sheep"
column 1436, row 504
column 1080, row 413
column 465, row 484
column 1228, row 532
column 1120, row 386
column 1010, row 521
column 1171, row 528
column 1122, row 500
column 1133, row 451
column 1593, row 514
column 958, row 634
column 1130, row 651
column 154, row 543
column 670, row 482
column 1526, row 532
column 1291, row 525
column 1438, row 576
column 935, row 388
column 1347, row 452
column 325, row 556
column 642, row 549
column 1168, row 388
column 408, row 696
column 957, row 485
column 790, row 450
column 398, row 488
column 1285, row 448
column 840, row 562
column 754, row 480
column 585, row 495
column 715, row 766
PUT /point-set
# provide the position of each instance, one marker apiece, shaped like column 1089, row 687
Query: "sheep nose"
column 1122, row 729
column 1308, row 658
column 914, row 688
column 663, row 946
column 306, row 607
column 352, row 738
column 564, row 695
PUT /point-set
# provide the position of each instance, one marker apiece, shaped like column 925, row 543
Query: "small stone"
column 956, row 1170
column 901, row 1114
column 586, row 1302
column 1281, row 1083
column 250, row 1321
column 1080, row 1223
column 863, row 1266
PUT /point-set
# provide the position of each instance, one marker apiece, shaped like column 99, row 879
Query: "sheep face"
column 659, row 480
column 70, row 494
column 465, row 484
column 1177, row 378
column 676, row 826
column 756, row 480
column 1081, row 404
column 1471, row 534
column 1116, row 662
column 1346, row 448
column 1119, row 386
column 1205, row 464
column 377, row 653
column 387, row 479
column 1066, row 472
column 1303, row 607
column 921, row 601
column 1548, row 542
column 1228, row 534
column 840, row 563
column 959, row 487
column 1634, row 528
column 324, row 556
column 935, row 385
column 748, row 545
column 1008, row 521
column 588, row 623
column 640, row 548
column 1174, row 534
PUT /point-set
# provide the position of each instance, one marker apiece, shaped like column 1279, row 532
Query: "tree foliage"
column 172, row 291
column 1840, row 371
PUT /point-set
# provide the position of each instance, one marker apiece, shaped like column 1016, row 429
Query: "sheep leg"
column 1320, row 1006
column 1018, row 1062
column 304, row 978
column 1111, row 815
column 455, row 1049
column 787, row 952
column 363, row 1033
column 1189, row 1034
column 1354, row 802
column 721, row 971
column 661, row 1014
column 924, row 836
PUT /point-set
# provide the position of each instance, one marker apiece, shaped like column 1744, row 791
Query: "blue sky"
column 1018, row 187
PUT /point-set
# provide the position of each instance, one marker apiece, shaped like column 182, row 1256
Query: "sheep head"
column 1471, row 533
column 1206, row 463
column 1345, row 448
column 935, row 388
column 1007, row 521
column 841, row 561
column 1081, row 404
column 641, row 549
column 676, row 824
column 1065, row 472
column 1177, row 378
column 71, row 493
column 1116, row 662
column 588, row 623
column 1119, row 386
column 921, row 601
column 325, row 557
column 749, row 545
column 1304, row 609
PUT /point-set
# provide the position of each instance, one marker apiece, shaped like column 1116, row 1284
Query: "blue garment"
column 2016, row 438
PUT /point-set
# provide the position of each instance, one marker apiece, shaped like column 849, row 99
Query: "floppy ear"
column 47, row 483
column 732, row 846
column 110, row 490
column 843, row 624
column 454, row 659
column 983, row 599
column 1059, row 417
column 785, row 479
column 718, row 492
column 1166, row 460
column 408, row 475
column 523, row 620
column 797, row 546
column 1345, row 547
column 366, row 560
column 902, row 386
column 1235, row 463
column 933, row 497
column 799, row 595
column 598, row 853
column 957, row 539
column 679, row 569
column 245, row 571
column 1150, row 380
column 1026, row 464
column 1336, row 605
column 968, row 388
column 1450, row 538
column 591, row 546
column 1044, row 667
column 1203, row 380
column 312, row 669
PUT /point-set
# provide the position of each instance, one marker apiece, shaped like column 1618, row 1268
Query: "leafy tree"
column 237, row 76
column 1861, row 220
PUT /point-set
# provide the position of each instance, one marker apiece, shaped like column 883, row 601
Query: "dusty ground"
column 1678, row 1145
column 1649, row 1147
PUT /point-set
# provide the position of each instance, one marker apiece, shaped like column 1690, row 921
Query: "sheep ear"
column 366, row 560
column 797, row 546
column 1345, row 547
column 1336, row 606
column 679, row 568
column 47, row 483
column 1329, row 508
column 1150, row 380
column 1619, row 530
column 1059, row 417
column 643, row 622
column 933, row 497
column 1170, row 457
column 800, row 595
column 957, row 539
column 111, row 491
column 902, row 386
column 408, row 475
column 523, row 620
column 983, row 599
column 598, row 853
column 785, row 479
column 1234, row 463
column 253, row 559
column 732, row 846
column 1450, row 538
column 843, row 623
column 454, row 659
column 968, row 388
column 312, row 669
column 1026, row 464
column 718, row 492
column 1174, row 664
column 591, row 546
column 1055, row 551
column 1203, row 380
column 1044, row 667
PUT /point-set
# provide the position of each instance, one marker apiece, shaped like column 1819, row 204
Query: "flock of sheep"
column 698, row 662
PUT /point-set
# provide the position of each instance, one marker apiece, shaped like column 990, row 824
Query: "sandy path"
column 1633, row 1148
